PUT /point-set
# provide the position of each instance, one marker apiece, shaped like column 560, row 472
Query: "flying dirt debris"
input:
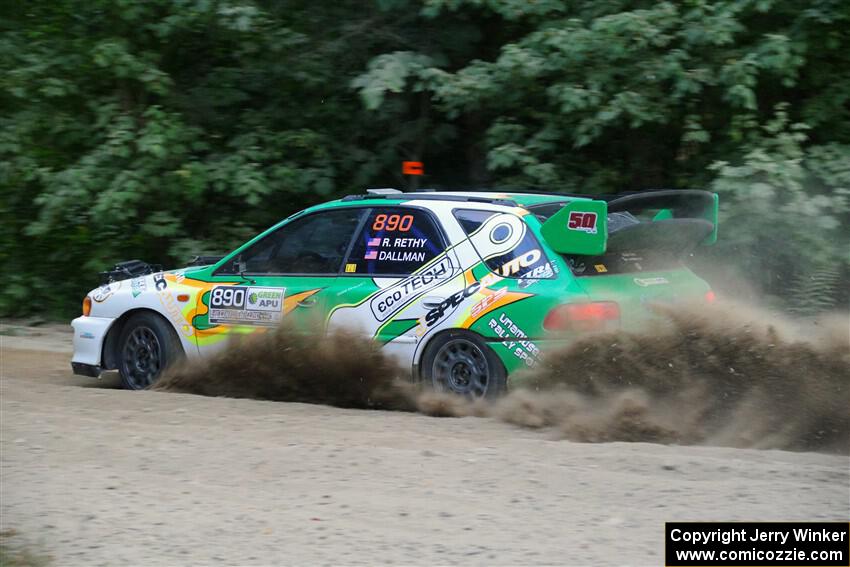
column 718, row 378
column 340, row 369
column 729, row 377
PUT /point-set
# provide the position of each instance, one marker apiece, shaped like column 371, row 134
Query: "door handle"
column 307, row 302
column 432, row 302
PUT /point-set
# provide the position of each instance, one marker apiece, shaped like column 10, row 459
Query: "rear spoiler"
column 581, row 226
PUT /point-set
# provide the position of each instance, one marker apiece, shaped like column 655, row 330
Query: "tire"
column 146, row 347
column 460, row 362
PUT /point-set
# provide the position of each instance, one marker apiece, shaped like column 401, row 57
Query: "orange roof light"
column 412, row 168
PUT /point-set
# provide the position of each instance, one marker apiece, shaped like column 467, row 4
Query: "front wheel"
column 147, row 346
column 459, row 362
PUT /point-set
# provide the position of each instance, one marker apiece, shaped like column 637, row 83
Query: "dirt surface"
column 96, row 475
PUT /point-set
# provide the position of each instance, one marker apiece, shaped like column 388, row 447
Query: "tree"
column 168, row 128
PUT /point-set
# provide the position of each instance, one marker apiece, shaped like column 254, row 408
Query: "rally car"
column 463, row 288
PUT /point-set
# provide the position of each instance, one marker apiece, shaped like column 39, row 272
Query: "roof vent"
column 384, row 191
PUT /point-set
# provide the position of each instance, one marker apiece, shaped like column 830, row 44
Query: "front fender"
column 166, row 294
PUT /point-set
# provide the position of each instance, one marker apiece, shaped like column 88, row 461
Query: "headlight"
column 86, row 306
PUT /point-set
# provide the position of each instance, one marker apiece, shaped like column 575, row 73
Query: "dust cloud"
column 726, row 375
column 339, row 369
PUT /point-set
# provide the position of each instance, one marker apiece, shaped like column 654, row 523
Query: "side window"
column 525, row 260
column 394, row 241
column 313, row 244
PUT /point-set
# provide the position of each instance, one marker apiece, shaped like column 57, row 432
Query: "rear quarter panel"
column 637, row 293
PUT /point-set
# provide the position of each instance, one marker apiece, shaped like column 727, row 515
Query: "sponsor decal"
column 104, row 292
column 241, row 305
column 350, row 268
column 600, row 268
column 242, row 317
column 583, row 222
column 635, row 259
column 455, row 299
column 516, row 340
column 159, row 281
column 138, row 286
column 516, row 264
column 390, row 300
column 351, row 288
column 577, row 266
column 482, row 306
column 644, row 282
column 86, row 335
column 265, row 299
column 501, row 232
column 448, row 305
column 544, row 272
column 173, row 311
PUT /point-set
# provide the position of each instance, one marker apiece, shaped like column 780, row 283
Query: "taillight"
column 710, row 297
column 86, row 306
column 596, row 316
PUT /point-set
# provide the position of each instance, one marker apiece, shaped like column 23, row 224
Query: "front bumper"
column 86, row 369
column 89, row 335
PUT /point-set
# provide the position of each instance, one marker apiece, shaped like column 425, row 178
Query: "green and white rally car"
column 463, row 288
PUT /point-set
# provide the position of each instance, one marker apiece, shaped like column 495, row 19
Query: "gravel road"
column 94, row 475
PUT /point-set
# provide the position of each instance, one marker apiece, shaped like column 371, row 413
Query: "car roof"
column 505, row 198
column 520, row 198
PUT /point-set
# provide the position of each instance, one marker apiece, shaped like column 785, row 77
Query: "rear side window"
column 394, row 241
column 526, row 260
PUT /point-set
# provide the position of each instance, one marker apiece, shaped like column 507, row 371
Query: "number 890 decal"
column 239, row 305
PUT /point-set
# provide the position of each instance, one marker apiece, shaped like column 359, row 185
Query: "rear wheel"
column 146, row 347
column 459, row 362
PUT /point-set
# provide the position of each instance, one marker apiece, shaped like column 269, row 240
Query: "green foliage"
column 168, row 128
column 786, row 211
column 160, row 130
column 603, row 96
column 817, row 291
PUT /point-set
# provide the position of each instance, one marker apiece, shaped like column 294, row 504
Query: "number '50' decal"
column 585, row 222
